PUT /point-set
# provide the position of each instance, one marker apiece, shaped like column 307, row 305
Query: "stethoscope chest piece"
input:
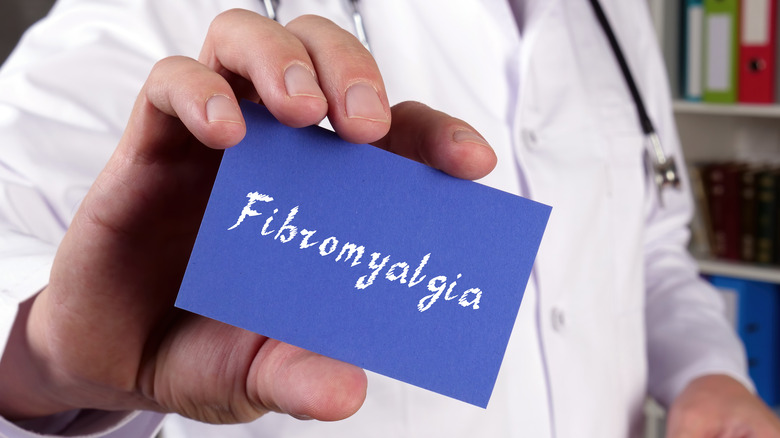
column 663, row 168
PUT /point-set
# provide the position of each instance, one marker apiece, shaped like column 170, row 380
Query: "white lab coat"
column 614, row 308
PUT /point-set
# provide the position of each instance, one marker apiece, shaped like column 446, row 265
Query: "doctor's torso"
column 552, row 103
column 547, row 94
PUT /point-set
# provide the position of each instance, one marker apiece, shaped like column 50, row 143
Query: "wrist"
column 26, row 386
column 719, row 383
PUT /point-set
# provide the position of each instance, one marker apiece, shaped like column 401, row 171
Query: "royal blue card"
column 364, row 256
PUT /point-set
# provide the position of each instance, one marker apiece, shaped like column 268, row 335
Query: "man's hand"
column 104, row 334
column 718, row 406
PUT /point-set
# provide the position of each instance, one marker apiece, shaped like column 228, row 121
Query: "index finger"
column 274, row 60
column 358, row 107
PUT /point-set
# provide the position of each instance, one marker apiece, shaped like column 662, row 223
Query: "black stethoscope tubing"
column 644, row 118
column 664, row 168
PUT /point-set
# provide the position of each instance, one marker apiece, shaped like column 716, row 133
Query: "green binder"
column 721, row 51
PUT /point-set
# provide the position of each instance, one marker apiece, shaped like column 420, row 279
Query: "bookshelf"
column 766, row 111
column 715, row 132
column 748, row 133
column 739, row 270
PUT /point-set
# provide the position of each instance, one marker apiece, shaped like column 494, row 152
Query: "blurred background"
column 15, row 17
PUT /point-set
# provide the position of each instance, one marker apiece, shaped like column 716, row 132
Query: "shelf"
column 740, row 270
column 685, row 107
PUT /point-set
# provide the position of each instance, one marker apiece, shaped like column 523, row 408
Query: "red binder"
column 757, row 61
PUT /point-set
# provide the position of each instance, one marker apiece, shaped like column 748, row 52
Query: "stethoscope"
column 663, row 167
column 357, row 19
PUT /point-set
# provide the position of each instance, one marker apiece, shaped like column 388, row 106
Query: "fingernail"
column 363, row 103
column 299, row 81
column 220, row 108
column 465, row 136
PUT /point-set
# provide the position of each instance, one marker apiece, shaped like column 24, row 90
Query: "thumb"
column 304, row 384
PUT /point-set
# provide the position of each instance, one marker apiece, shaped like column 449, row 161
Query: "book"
column 757, row 51
column 723, row 197
column 721, row 26
column 748, row 209
column 757, row 325
column 692, row 49
column 700, row 226
column 766, row 216
column 670, row 37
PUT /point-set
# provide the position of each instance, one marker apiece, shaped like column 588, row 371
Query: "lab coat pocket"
column 627, row 188
column 620, row 125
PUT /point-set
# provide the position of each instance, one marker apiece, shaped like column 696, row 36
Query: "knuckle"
column 167, row 65
column 232, row 19
column 239, row 25
column 238, row 31
column 310, row 21
column 321, row 32
column 231, row 16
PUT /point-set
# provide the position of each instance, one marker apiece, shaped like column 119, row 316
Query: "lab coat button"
column 529, row 137
column 558, row 319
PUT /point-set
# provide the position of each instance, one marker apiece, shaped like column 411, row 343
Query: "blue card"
column 363, row 256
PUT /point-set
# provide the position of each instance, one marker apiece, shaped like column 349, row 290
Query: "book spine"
column 748, row 209
column 721, row 50
column 757, row 51
column 701, row 226
column 715, row 184
column 766, row 216
column 757, row 326
column 732, row 220
column 691, row 59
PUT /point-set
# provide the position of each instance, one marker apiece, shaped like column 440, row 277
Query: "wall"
column 15, row 17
